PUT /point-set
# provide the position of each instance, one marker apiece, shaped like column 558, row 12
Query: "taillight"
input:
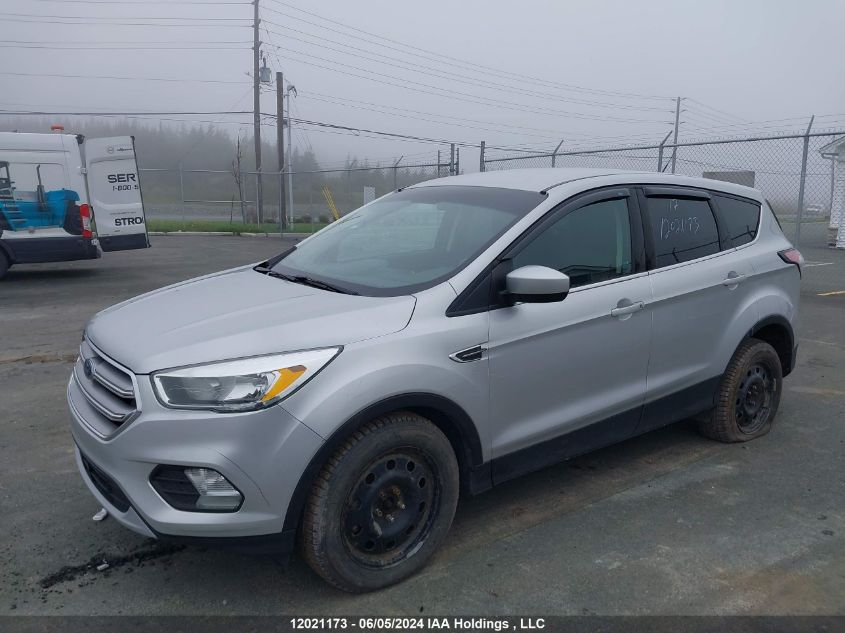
column 792, row 256
column 85, row 214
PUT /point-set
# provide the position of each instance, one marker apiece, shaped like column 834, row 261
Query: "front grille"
column 106, row 485
column 102, row 393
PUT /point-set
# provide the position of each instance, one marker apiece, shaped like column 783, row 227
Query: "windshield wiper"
column 304, row 280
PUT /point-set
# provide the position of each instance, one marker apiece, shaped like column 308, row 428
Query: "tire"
column 382, row 504
column 748, row 396
column 4, row 264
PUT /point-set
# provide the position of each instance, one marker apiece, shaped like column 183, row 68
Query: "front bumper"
column 262, row 453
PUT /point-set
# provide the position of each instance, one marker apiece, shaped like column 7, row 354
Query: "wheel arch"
column 6, row 251
column 445, row 414
column 777, row 331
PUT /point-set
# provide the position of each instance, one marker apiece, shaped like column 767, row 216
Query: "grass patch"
column 172, row 226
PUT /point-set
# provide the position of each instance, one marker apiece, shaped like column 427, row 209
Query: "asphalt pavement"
column 667, row 523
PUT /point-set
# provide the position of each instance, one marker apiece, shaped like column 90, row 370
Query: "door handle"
column 733, row 279
column 629, row 309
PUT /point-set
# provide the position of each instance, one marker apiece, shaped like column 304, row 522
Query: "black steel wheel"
column 389, row 511
column 748, row 396
column 382, row 504
column 754, row 398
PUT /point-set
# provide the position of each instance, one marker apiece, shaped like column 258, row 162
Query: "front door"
column 570, row 376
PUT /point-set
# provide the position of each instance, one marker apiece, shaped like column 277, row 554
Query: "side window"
column 590, row 244
column 740, row 217
column 25, row 178
column 682, row 229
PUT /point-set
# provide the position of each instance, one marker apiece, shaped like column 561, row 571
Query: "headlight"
column 246, row 384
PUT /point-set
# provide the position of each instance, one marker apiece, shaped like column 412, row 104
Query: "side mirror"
column 536, row 284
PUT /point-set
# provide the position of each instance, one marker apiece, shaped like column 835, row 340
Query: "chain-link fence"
column 193, row 199
column 799, row 175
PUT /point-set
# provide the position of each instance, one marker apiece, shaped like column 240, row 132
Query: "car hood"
column 235, row 314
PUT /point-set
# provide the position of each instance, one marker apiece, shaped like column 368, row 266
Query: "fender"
column 445, row 414
column 787, row 352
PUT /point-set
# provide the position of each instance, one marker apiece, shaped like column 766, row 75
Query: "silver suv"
column 441, row 340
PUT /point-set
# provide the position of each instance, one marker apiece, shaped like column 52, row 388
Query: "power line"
column 453, row 94
column 113, row 23
column 126, row 48
column 325, row 97
column 141, row 112
column 155, row 43
column 445, row 74
column 417, row 118
column 487, row 69
column 6, row 14
column 144, row 2
column 709, row 107
column 119, row 78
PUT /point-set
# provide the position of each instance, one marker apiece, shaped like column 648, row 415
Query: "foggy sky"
column 755, row 60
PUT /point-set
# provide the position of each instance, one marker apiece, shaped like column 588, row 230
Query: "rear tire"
column 5, row 265
column 748, row 396
column 382, row 504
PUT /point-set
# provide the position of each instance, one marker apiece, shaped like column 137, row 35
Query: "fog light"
column 215, row 491
column 195, row 489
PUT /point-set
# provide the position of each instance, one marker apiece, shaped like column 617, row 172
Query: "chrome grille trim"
column 79, row 415
column 107, row 393
column 114, row 416
column 111, row 385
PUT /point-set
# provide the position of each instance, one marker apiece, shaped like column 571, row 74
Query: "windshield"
column 409, row 240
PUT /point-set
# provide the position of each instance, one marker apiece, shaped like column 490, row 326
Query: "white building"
column 835, row 151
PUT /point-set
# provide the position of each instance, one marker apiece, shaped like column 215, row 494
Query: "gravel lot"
column 667, row 523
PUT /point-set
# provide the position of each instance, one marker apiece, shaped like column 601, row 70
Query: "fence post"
column 458, row 161
column 554, row 153
column 438, row 163
column 452, row 160
column 801, row 187
column 181, row 191
column 660, row 152
column 481, row 157
column 281, row 203
column 395, row 171
column 258, row 204
column 832, row 180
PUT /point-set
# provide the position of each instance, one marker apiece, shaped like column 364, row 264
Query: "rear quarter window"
column 741, row 218
column 681, row 229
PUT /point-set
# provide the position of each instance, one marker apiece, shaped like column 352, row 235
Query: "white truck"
column 64, row 197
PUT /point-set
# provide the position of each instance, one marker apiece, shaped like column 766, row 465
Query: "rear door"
column 114, row 191
column 700, row 304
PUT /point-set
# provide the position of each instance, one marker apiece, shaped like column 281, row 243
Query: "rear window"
column 740, row 217
column 682, row 229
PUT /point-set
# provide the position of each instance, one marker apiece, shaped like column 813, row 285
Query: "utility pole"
column 291, row 89
column 256, row 106
column 280, row 146
column 481, row 164
column 675, row 141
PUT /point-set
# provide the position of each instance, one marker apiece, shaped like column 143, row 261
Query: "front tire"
column 748, row 396
column 4, row 264
column 382, row 504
